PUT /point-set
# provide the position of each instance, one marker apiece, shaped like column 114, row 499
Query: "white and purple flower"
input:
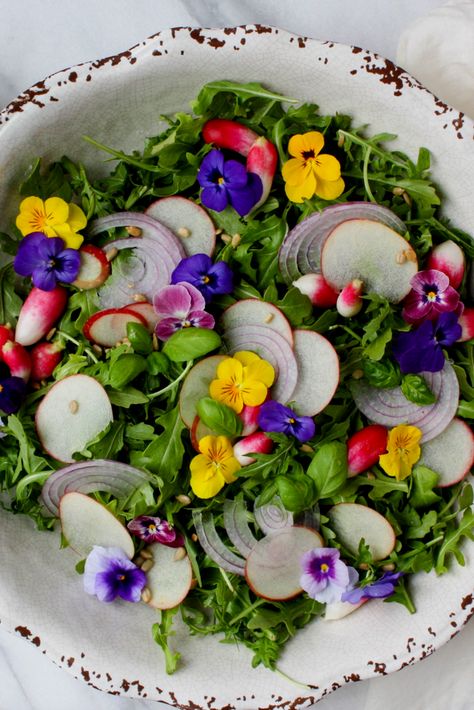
column 180, row 306
column 153, row 529
column 325, row 576
column 108, row 574
column 380, row 589
column 431, row 295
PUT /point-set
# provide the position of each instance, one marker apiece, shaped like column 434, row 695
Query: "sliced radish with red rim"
column 108, row 327
column 188, row 221
column 252, row 311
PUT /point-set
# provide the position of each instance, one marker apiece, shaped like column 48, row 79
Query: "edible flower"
column 227, row 182
column 153, row 529
column 242, row 379
column 431, row 295
column 108, row 574
column 310, row 172
column 403, row 451
column 213, row 467
column 421, row 350
column 180, row 306
column 382, row 588
column 53, row 217
column 325, row 576
column 274, row 416
column 210, row 279
column 46, row 261
column 12, row 394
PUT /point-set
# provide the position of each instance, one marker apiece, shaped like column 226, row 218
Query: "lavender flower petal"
column 109, row 573
column 274, row 416
column 172, row 301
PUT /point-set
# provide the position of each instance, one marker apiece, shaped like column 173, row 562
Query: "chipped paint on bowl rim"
column 49, row 119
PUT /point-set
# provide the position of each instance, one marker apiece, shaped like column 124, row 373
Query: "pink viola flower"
column 179, row 306
column 431, row 295
column 152, row 529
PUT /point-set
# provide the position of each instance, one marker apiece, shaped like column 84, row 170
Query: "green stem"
column 365, row 174
column 172, row 384
column 292, row 680
column 227, row 580
column 375, row 149
column 246, row 611
column 123, row 156
column 88, row 352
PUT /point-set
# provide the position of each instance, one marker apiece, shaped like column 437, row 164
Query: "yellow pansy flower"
column 53, row 217
column 310, row 172
column 242, row 379
column 403, row 451
column 213, row 467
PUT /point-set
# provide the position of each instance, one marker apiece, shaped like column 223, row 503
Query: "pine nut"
column 110, row 254
column 50, row 333
column 134, row 231
column 139, row 297
column 398, row 191
column 357, row 374
column 363, row 565
column 183, row 232
column 146, row 595
column 269, row 318
column 180, row 554
column 306, row 448
column 236, row 239
column 194, row 537
column 226, row 238
column 185, row 500
column 147, row 554
column 401, row 257
column 73, row 406
column 139, row 560
column 389, row 567
column 97, row 349
column 410, row 255
column 147, row 565
column 407, row 198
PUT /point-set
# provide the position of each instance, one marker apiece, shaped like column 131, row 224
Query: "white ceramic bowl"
column 118, row 101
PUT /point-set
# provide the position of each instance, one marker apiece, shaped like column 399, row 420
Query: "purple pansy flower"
column 325, row 576
column 46, row 260
column 12, row 394
column 383, row 587
column 275, row 417
column 431, row 295
column 179, row 306
column 209, row 278
column 152, row 529
column 227, row 182
column 421, row 350
column 108, row 573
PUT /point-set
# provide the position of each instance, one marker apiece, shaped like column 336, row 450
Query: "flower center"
column 205, row 279
column 291, row 420
column 308, row 154
column 186, row 323
column 39, row 220
column 121, row 578
column 431, row 293
column 151, row 527
column 220, row 180
column 324, row 567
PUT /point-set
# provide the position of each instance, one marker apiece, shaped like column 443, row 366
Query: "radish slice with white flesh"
column 146, row 311
column 270, row 346
column 237, row 527
column 300, row 252
column 318, row 372
column 74, row 411
column 170, row 578
column 108, row 327
column 188, row 221
column 196, row 386
column 351, row 522
column 372, row 252
column 273, row 569
column 85, row 523
column 213, row 546
column 390, row 407
column 94, row 268
column 114, row 477
column 273, row 517
column 252, row 311
column 450, row 454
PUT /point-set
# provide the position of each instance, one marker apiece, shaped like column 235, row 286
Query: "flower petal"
column 27, row 257
column 201, row 319
column 71, row 239
column 303, row 191
column 260, row 371
column 235, row 174
column 172, row 302
column 327, row 167
column 206, row 487
column 56, row 210
column 254, row 393
column 167, row 326
column 215, row 197
column 198, row 302
column 76, row 218
column 329, row 189
column 295, row 171
column 300, row 144
column 230, row 369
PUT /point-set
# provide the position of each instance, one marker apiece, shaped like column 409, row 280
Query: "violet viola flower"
column 108, row 573
column 431, row 295
column 209, row 278
column 152, row 529
column 46, row 260
column 12, row 394
column 275, row 417
column 227, row 182
column 421, row 350
column 382, row 588
column 325, row 576
column 180, row 306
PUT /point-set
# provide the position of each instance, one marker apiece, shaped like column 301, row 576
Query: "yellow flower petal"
column 56, row 210
column 229, row 368
column 76, row 218
column 299, row 193
column 207, row 486
column 255, row 394
column 390, row 463
column 32, row 215
column 329, row 190
column 228, row 393
column 213, row 467
column 295, row 171
column 70, row 238
column 246, row 357
column 403, row 451
column 327, row 167
column 311, row 142
column 259, row 371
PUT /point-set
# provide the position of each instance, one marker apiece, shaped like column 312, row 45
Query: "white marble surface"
column 38, row 37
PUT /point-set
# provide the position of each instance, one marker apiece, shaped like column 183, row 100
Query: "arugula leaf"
column 162, row 631
column 452, row 539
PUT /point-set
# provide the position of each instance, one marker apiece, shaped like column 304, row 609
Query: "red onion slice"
column 238, row 530
column 213, row 546
column 105, row 475
column 273, row 516
column 390, row 407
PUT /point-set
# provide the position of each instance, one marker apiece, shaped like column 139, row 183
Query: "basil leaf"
column 191, row 343
column 328, row 469
column 140, row 338
column 416, row 390
column 218, row 417
column 466, row 409
column 157, row 363
column 381, row 374
column 125, row 369
column 296, row 492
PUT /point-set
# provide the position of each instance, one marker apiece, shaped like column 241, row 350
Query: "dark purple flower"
column 46, row 260
column 108, row 573
column 274, row 416
column 325, row 576
column 12, row 394
column 227, row 182
column 383, row 587
column 421, row 349
column 152, row 529
column 180, row 306
column 209, row 278
column 431, row 295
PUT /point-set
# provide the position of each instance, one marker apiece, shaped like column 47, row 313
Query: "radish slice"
column 109, row 327
column 169, row 580
column 318, row 372
column 390, row 407
column 351, row 522
column 188, row 221
column 196, row 386
column 372, row 252
column 300, row 252
column 273, row 568
column 114, row 477
column 146, row 311
column 271, row 346
column 74, row 411
column 237, row 527
column 252, row 311
column 273, row 517
column 198, row 431
column 94, row 268
column 450, row 454
column 213, row 546
column 86, row 523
